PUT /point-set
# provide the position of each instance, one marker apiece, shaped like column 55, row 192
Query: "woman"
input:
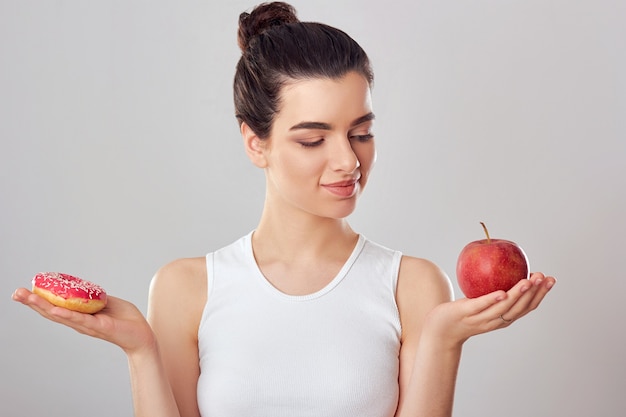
column 303, row 316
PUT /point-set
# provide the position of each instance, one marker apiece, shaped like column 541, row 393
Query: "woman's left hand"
column 455, row 322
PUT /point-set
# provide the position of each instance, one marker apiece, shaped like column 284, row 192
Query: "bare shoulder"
column 179, row 289
column 184, row 269
column 181, row 275
column 422, row 285
column 422, row 278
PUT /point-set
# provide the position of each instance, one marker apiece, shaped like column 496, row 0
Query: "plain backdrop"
column 120, row 153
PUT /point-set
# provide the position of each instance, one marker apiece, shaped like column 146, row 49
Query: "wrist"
column 147, row 347
column 438, row 334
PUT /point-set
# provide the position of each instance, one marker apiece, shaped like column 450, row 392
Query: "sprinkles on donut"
column 70, row 292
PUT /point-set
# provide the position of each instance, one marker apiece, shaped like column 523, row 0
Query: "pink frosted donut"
column 70, row 292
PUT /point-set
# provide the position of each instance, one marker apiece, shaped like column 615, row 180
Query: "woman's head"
column 278, row 49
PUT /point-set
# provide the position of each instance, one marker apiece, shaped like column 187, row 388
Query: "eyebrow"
column 327, row 126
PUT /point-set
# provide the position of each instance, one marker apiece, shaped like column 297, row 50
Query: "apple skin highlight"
column 489, row 265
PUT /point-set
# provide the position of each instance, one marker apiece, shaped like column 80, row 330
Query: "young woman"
column 303, row 316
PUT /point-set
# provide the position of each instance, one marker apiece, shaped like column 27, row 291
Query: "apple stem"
column 486, row 232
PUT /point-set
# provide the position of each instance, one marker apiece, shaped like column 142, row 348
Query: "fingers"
column 120, row 322
column 37, row 303
column 468, row 317
column 20, row 295
column 524, row 298
column 50, row 311
column 542, row 285
column 484, row 302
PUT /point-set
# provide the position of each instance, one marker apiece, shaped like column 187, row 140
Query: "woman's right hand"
column 459, row 320
column 120, row 322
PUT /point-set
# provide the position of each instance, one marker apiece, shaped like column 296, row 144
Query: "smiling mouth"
column 346, row 183
column 343, row 188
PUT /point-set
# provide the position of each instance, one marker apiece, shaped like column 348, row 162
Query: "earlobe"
column 254, row 146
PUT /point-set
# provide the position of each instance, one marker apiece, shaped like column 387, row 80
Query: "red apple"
column 489, row 265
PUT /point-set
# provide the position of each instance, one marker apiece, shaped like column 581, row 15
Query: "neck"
column 296, row 235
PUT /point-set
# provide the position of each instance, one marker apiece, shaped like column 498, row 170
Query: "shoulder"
column 180, row 274
column 424, row 275
column 178, row 289
column 422, row 285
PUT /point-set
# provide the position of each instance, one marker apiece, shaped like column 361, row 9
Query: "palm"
column 461, row 319
column 120, row 322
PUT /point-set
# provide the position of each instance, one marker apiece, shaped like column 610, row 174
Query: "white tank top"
column 333, row 353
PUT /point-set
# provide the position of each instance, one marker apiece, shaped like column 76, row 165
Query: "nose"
column 343, row 158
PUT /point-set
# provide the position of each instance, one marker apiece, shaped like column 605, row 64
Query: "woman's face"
column 321, row 147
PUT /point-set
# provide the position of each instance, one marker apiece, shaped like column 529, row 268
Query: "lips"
column 346, row 188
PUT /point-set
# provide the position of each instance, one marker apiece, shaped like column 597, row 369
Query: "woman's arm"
column 435, row 328
column 427, row 377
column 176, row 301
column 162, row 355
column 120, row 323
column 152, row 393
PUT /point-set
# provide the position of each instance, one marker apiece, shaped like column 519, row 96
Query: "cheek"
column 367, row 158
column 301, row 166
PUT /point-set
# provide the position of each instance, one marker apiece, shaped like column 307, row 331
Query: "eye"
column 312, row 144
column 362, row 138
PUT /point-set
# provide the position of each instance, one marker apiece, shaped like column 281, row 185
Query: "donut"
column 70, row 292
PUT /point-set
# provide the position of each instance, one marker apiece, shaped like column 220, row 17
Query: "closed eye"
column 362, row 138
column 312, row 144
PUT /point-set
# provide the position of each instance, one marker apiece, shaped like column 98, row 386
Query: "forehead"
column 333, row 101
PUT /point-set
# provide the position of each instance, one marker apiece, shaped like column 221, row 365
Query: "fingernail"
column 550, row 284
column 524, row 288
column 501, row 295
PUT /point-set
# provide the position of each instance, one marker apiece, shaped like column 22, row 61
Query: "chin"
column 343, row 212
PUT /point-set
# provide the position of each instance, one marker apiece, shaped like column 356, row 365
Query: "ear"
column 254, row 146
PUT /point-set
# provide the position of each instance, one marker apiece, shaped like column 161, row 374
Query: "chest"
column 326, row 357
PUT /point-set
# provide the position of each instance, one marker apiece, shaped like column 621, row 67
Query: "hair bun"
column 263, row 17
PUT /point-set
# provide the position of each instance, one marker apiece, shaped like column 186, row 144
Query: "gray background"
column 120, row 153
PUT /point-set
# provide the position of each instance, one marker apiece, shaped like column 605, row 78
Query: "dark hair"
column 277, row 48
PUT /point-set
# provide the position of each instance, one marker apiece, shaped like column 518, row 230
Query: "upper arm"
column 421, row 287
column 175, row 304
